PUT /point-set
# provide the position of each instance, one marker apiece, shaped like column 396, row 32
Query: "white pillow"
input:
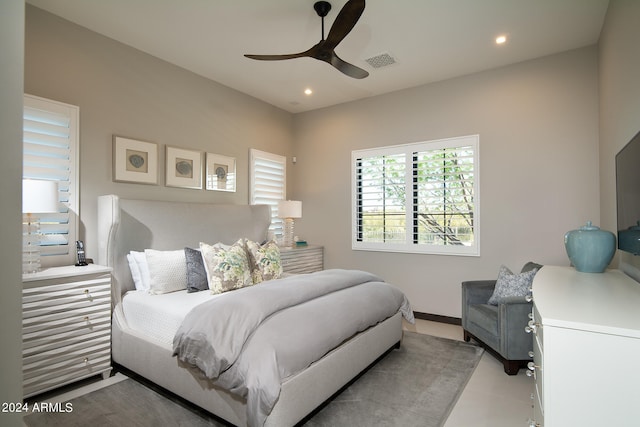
column 167, row 270
column 139, row 270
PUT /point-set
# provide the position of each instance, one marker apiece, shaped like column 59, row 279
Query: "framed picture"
column 184, row 168
column 221, row 173
column 135, row 161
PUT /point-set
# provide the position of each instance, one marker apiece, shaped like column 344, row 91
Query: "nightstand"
column 66, row 326
column 302, row 259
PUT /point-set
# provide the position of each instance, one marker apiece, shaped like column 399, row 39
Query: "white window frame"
column 59, row 123
column 406, row 241
column 268, row 184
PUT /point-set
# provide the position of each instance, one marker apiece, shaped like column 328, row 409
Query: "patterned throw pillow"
column 227, row 267
column 265, row 261
column 196, row 273
column 511, row 285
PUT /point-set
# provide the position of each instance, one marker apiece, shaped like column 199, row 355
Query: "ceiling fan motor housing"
column 322, row 8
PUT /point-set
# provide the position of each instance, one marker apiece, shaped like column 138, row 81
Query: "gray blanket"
column 251, row 339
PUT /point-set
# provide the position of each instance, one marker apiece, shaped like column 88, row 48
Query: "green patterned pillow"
column 264, row 260
column 227, row 266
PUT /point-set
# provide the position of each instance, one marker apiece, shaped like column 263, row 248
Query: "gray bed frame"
column 125, row 225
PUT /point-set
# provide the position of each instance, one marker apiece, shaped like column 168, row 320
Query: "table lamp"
column 289, row 210
column 38, row 196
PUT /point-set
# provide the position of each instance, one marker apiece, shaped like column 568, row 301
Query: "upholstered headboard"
column 126, row 225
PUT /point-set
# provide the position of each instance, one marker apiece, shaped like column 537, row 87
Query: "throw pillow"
column 167, row 269
column 511, row 285
column 530, row 266
column 139, row 270
column 196, row 273
column 227, row 267
column 265, row 261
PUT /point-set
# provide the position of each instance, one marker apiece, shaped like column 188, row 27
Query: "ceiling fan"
column 324, row 50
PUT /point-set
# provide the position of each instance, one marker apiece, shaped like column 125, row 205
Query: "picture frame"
column 183, row 168
column 221, row 173
column 135, row 161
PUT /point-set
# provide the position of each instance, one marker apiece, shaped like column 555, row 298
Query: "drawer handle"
column 532, row 423
column 86, row 360
column 531, row 327
column 87, row 293
column 530, row 316
column 531, row 354
column 532, row 366
column 528, row 298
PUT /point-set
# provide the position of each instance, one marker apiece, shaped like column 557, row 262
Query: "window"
column 268, row 178
column 50, row 148
column 420, row 197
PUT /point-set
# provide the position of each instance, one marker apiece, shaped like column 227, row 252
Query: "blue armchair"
column 500, row 329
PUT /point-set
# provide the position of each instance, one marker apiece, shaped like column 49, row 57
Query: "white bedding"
column 158, row 317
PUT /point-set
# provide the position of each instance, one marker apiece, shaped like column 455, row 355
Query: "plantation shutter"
column 421, row 197
column 381, row 200
column 50, row 142
column 443, row 192
column 268, row 177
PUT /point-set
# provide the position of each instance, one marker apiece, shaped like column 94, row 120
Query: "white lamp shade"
column 39, row 196
column 289, row 209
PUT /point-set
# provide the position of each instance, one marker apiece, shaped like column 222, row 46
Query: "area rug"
column 416, row 385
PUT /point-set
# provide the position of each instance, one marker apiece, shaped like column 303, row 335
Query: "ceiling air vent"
column 381, row 60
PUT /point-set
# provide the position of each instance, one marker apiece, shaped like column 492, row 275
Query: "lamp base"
column 30, row 244
column 287, row 240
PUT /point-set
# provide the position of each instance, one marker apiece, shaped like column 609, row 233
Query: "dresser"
column 66, row 326
column 586, row 347
column 302, row 259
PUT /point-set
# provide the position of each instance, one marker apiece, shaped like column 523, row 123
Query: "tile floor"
column 490, row 399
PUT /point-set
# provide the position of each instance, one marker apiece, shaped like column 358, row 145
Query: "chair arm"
column 515, row 300
column 477, row 291
column 515, row 343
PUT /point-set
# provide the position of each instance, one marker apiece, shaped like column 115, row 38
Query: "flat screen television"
column 628, row 196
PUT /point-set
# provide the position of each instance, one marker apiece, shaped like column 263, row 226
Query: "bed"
column 135, row 225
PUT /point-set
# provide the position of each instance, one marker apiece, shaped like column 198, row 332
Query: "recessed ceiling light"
column 501, row 39
column 308, row 91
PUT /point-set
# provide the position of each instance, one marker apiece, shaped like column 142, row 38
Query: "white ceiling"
column 431, row 40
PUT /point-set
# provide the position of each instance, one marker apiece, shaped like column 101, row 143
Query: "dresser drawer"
column 538, row 375
column 56, row 369
column 64, row 298
column 302, row 260
column 539, row 330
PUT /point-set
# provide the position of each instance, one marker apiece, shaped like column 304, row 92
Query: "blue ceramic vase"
column 589, row 248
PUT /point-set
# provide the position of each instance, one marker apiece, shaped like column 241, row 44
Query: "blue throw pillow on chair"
column 511, row 285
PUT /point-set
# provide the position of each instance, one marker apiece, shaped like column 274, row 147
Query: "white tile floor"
column 491, row 397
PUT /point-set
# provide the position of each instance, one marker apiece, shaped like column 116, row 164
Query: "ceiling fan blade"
column 278, row 57
column 344, row 23
column 346, row 68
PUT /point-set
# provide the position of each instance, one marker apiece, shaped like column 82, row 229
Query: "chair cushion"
column 485, row 316
column 511, row 285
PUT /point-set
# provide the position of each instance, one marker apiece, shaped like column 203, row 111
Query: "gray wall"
column 125, row 92
column 542, row 171
column 11, row 87
column 619, row 58
column 538, row 127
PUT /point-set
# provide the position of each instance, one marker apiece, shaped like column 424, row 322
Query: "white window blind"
column 268, row 178
column 420, row 197
column 50, row 146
